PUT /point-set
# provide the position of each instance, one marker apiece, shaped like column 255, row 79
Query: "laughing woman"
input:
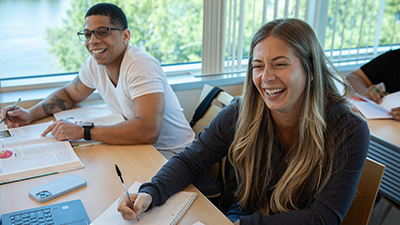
column 296, row 147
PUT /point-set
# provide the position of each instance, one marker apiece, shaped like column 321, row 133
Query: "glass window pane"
column 39, row 36
column 23, row 47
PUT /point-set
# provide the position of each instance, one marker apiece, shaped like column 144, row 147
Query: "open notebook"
column 169, row 213
column 370, row 110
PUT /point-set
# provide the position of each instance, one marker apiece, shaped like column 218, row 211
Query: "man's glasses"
column 100, row 33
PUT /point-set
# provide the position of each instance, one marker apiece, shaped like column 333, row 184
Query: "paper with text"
column 24, row 153
column 169, row 213
column 99, row 115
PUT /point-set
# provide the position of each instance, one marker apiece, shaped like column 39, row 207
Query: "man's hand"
column 395, row 112
column 141, row 202
column 16, row 118
column 64, row 130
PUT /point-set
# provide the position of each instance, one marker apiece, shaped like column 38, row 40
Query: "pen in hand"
column 12, row 108
column 126, row 190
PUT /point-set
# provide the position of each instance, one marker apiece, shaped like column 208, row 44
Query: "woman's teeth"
column 274, row 91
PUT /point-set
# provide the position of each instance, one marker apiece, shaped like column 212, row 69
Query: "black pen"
column 12, row 108
column 126, row 190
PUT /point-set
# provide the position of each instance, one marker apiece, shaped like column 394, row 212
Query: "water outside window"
column 24, row 51
column 38, row 37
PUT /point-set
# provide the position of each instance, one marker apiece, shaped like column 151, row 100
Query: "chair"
column 368, row 186
column 220, row 101
column 388, row 154
column 207, row 183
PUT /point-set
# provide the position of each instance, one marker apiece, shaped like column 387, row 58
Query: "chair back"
column 221, row 100
column 368, row 186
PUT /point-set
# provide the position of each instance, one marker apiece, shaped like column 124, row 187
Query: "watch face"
column 88, row 124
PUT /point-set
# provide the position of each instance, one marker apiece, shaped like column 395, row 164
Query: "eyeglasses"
column 100, row 33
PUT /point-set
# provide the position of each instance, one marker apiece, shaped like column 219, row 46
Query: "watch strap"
column 86, row 131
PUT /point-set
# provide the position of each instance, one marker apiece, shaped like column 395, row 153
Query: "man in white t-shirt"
column 128, row 79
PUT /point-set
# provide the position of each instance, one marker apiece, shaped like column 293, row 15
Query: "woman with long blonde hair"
column 296, row 148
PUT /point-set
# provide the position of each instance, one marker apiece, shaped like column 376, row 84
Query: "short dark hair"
column 116, row 15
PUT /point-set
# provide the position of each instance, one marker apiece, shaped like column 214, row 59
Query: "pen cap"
column 119, row 173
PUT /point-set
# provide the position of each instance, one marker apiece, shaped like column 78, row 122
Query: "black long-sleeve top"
column 385, row 68
column 328, row 207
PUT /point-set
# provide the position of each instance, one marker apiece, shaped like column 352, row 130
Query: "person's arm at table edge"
column 145, row 128
column 61, row 99
column 358, row 80
column 363, row 85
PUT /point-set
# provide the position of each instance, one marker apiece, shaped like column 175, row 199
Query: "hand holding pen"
column 375, row 93
column 126, row 190
column 11, row 109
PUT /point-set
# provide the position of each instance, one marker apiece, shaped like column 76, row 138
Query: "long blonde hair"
column 310, row 161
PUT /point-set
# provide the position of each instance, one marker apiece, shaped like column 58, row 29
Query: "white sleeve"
column 84, row 74
column 145, row 76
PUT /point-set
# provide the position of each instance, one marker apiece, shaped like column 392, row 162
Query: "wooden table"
column 137, row 163
column 388, row 130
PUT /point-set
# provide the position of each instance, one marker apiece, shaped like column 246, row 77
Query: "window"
column 39, row 37
column 351, row 31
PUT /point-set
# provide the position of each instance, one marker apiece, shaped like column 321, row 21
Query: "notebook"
column 71, row 213
column 169, row 213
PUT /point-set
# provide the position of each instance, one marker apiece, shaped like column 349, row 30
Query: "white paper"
column 198, row 223
column 391, row 101
column 371, row 110
column 99, row 115
column 169, row 213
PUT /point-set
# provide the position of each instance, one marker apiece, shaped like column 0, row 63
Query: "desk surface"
column 137, row 163
column 388, row 130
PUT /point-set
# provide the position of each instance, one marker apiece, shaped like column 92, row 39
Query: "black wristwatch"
column 87, row 126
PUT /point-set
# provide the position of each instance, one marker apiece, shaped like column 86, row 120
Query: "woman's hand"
column 141, row 202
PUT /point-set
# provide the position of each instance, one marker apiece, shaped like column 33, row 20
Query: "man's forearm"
column 55, row 102
column 134, row 131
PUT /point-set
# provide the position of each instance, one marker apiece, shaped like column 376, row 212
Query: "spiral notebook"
column 169, row 213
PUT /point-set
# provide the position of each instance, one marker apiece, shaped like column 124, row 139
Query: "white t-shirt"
column 140, row 74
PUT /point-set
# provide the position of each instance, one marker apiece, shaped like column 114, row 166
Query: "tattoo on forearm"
column 57, row 103
column 76, row 82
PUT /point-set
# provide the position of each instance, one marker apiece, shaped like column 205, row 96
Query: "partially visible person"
column 129, row 80
column 382, row 69
column 296, row 147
